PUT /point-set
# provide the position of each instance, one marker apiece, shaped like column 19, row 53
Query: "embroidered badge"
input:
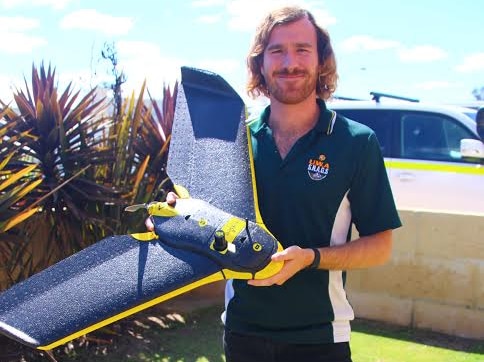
column 318, row 168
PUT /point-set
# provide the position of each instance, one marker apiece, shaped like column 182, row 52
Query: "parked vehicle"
column 433, row 153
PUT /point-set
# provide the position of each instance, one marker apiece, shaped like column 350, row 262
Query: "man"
column 316, row 173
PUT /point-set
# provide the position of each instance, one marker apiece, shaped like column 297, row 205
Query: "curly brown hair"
column 328, row 75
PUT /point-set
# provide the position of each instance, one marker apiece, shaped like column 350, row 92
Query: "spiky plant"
column 141, row 136
column 54, row 142
column 68, row 170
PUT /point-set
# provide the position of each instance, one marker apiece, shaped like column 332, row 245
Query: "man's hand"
column 170, row 200
column 294, row 258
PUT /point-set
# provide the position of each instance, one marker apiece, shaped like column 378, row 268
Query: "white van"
column 427, row 166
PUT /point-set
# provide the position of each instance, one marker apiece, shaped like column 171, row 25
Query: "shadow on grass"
column 156, row 335
column 161, row 335
column 198, row 339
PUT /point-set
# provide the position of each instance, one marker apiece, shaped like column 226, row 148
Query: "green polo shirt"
column 332, row 177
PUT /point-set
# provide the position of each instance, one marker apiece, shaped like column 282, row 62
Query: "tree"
column 109, row 53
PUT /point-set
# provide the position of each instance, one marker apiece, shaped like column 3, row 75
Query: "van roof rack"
column 377, row 95
column 342, row 98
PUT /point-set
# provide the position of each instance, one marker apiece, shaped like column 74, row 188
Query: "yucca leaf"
column 6, row 160
column 16, row 176
column 139, row 176
column 137, row 116
column 24, row 106
column 66, row 100
column 12, row 196
column 20, row 217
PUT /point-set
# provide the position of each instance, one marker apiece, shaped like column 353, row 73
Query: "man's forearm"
column 367, row 251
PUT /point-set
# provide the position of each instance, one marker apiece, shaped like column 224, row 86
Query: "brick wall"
column 435, row 279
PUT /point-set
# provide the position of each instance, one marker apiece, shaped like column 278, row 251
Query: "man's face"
column 290, row 65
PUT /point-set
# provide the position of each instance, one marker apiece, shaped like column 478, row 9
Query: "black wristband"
column 317, row 258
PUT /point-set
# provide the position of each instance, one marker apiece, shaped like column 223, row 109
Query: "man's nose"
column 290, row 61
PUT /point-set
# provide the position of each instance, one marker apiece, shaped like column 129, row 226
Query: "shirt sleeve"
column 371, row 199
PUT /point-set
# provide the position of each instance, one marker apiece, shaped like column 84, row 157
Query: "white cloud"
column 432, row 85
column 245, row 15
column 7, row 87
column 220, row 66
column 365, row 42
column 472, row 63
column 232, row 70
column 210, row 19
column 14, row 39
column 324, row 18
column 143, row 60
column 18, row 43
column 17, row 23
column 54, row 4
column 207, row 3
column 90, row 19
column 421, row 53
column 133, row 48
column 83, row 79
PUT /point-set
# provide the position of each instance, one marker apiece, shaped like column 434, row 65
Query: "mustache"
column 286, row 71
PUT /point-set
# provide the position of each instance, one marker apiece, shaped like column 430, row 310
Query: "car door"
column 429, row 172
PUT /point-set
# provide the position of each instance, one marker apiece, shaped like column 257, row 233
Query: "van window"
column 428, row 136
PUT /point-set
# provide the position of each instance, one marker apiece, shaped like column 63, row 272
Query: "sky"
column 432, row 50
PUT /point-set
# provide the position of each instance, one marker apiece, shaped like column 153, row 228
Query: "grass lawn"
column 377, row 342
column 165, row 336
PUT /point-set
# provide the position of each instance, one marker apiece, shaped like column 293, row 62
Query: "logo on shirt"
column 318, row 168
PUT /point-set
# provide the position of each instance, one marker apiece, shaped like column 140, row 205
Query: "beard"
column 291, row 92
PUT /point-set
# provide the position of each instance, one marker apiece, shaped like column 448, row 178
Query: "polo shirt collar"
column 324, row 126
